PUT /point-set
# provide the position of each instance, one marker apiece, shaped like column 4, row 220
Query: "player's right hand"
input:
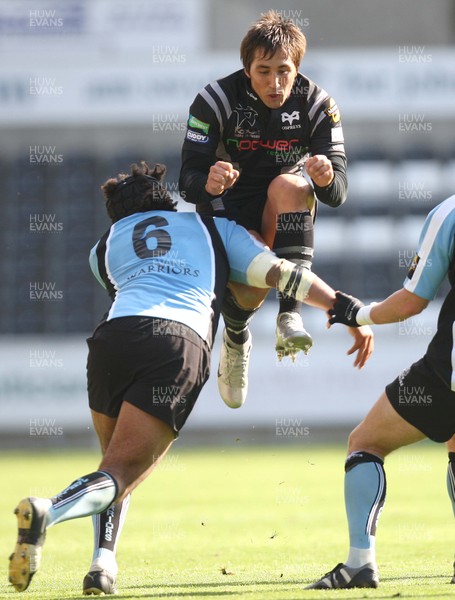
column 222, row 176
column 345, row 310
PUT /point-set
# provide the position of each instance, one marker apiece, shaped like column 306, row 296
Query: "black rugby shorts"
column 424, row 400
column 158, row 365
column 243, row 203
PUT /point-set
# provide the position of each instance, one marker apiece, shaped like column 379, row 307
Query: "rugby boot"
column 344, row 577
column 97, row 583
column 24, row 562
column 291, row 335
column 233, row 371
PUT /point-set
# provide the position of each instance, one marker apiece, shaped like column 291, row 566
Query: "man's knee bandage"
column 295, row 281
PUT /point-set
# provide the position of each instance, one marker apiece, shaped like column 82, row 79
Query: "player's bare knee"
column 353, row 442
column 248, row 297
column 290, row 193
column 361, row 440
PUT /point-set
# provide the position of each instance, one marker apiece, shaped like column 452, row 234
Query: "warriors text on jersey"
column 434, row 261
column 229, row 122
column 173, row 266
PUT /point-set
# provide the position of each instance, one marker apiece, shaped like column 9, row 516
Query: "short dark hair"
column 140, row 191
column 272, row 33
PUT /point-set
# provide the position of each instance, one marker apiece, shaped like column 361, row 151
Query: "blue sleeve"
column 93, row 261
column 436, row 248
column 241, row 248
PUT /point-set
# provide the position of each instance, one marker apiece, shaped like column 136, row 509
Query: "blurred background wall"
column 89, row 86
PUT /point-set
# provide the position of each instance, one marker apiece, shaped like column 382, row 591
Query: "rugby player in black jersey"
column 250, row 137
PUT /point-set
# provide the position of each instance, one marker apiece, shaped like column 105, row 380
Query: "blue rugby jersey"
column 172, row 265
column 434, row 261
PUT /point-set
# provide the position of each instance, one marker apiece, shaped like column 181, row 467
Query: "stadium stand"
column 364, row 246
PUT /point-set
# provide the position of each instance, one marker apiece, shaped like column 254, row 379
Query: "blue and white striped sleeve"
column 436, row 248
column 93, row 261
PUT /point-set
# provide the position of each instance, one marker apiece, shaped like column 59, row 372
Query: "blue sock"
column 364, row 493
column 88, row 495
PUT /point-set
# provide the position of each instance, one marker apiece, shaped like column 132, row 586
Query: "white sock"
column 105, row 561
column 361, row 556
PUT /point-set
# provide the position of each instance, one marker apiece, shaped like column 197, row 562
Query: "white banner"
column 43, row 383
column 372, row 85
column 43, row 378
column 89, row 27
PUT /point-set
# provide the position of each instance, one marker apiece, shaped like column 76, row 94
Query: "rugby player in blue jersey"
column 166, row 273
column 418, row 404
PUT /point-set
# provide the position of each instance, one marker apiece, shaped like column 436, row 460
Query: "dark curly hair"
column 140, row 191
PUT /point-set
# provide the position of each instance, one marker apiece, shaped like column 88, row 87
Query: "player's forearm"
column 320, row 294
column 398, row 306
column 193, row 177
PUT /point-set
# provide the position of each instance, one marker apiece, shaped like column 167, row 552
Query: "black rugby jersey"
column 228, row 121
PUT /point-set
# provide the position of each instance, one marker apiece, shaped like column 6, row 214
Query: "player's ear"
column 246, row 73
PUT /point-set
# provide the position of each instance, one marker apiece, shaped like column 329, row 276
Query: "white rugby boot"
column 233, row 371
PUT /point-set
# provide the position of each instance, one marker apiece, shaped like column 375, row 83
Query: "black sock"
column 451, row 479
column 236, row 318
column 108, row 525
column 294, row 241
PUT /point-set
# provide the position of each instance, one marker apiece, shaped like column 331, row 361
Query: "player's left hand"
column 320, row 169
column 363, row 344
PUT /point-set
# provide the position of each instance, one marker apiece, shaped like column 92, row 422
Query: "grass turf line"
column 257, row 523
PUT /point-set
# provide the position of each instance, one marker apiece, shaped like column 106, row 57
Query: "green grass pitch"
column 233, row 522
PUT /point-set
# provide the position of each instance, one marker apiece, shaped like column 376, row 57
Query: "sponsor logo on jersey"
column 332, row 111
column 197, row 124
column 192, row 136
column 276, row 145
column 246, row 121
column 166, row 267
column 290, row 118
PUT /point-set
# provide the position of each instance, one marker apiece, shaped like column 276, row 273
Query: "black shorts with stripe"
column 243, row 204
column 424, row 400
column 158, row 365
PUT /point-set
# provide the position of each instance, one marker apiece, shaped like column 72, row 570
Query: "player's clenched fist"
column 320, row 169
column 222, row 176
